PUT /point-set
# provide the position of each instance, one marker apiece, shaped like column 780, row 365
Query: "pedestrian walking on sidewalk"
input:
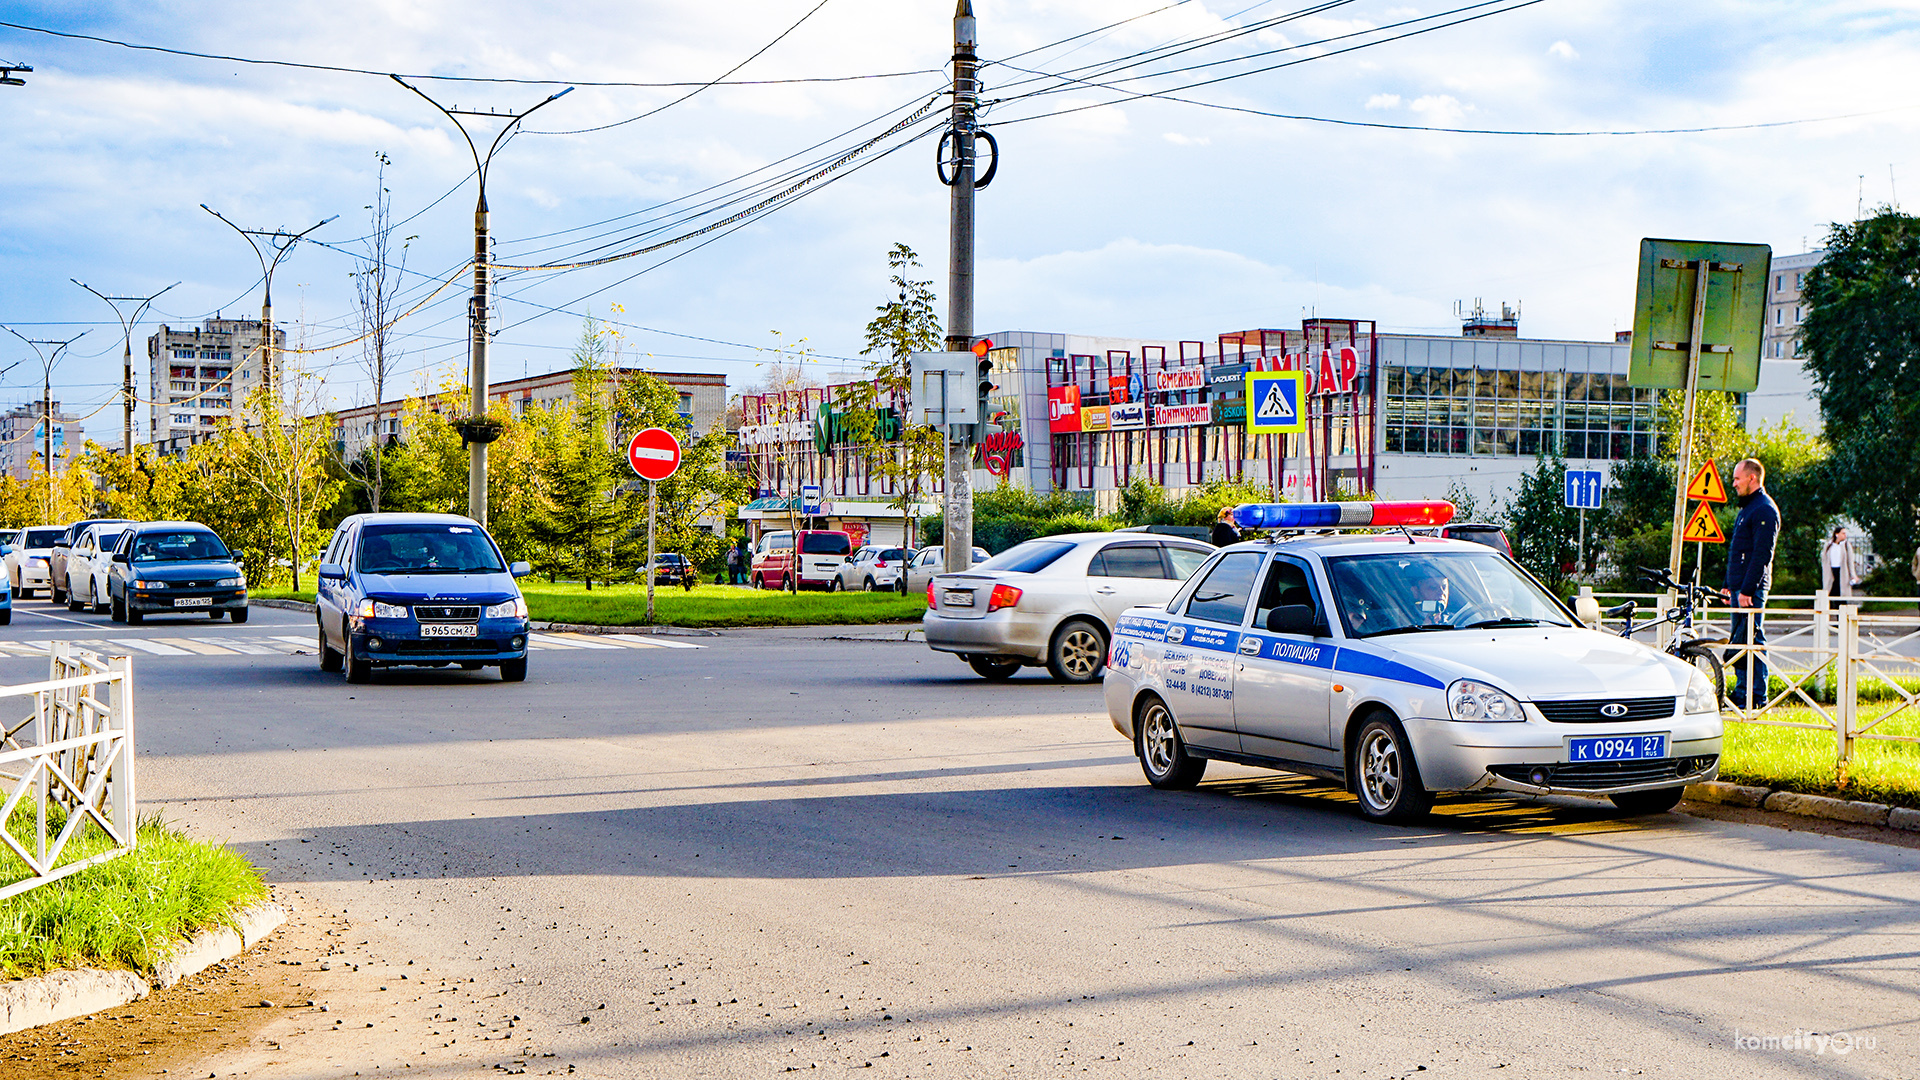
column 1749, row 576
column 1837, row 573
column 1224, row 532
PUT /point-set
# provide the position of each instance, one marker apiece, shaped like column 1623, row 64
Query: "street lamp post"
column 280, row 242
column 46, row 387
column 126, row 328
column 474, row 433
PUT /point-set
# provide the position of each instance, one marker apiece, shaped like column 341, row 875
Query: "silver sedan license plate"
column 449, row 630
column 957, row 598
column 193, row 601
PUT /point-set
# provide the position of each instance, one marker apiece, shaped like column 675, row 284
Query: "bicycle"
column 1695, row 645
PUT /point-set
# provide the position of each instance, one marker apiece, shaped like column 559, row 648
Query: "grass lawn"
column 1793, row 759
column 281, row 594
column 714, row 605
column 126, row 912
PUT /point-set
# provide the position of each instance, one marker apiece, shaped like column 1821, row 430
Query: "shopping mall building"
column 1404, row 416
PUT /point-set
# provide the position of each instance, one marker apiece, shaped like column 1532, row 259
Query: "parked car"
column 420, row 589
column 1475, row 532
column 1403, row 666
column 1054, row 600
column 821, row 552
column 57, row 562
column 27, row 562
column 174, row 568
column 872, row 568
column 930, row 561
column 88, row 561
column 672, row 568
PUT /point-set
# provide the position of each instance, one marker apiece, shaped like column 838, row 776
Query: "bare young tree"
column 376, row 285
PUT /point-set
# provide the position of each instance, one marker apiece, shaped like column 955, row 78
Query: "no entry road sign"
column 654, row 454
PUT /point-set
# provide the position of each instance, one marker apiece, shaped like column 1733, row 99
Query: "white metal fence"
column 68, row 763
column 1854, row 671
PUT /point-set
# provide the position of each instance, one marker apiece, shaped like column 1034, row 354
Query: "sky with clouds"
column 1116, row 215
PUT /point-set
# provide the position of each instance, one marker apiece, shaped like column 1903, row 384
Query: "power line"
column 344, row 70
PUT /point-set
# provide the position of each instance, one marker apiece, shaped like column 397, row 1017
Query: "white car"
column 87, row 564
column 930, row 561
column 27, row 562
column 1054, row 600
column 870, row 569
column 1402, row 666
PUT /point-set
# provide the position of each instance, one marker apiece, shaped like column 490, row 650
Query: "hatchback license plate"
column 1617, row 748
column 193, row 601
column 449, row 630
column 957, row 598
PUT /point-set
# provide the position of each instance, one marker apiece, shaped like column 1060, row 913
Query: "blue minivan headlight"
column 374, row 609
column 515, row 608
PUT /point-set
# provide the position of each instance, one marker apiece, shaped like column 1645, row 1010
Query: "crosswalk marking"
column 285, row 644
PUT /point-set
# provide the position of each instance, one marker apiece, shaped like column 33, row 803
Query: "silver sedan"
column 930, row 561
column 1053, row 601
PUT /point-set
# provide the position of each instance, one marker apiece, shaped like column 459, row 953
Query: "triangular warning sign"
column 1704, row 527
column 1705, row 485
column 1275, row 405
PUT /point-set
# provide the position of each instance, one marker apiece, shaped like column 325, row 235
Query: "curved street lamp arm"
column 244, row 235
column 550, row 99
column 471, row 149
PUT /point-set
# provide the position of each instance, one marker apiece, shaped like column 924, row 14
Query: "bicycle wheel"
column 1707, row 662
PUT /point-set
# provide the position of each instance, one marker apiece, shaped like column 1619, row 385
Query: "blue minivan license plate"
column 1617, row 748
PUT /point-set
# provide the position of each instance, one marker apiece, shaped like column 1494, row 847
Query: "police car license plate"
column 193, row 601
column 449, row 630
column 957, row 598
column 1617, row 748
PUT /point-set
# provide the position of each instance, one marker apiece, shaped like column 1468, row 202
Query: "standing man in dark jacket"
column 1749, row 575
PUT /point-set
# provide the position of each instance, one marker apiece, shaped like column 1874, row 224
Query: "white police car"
column 1400, row 665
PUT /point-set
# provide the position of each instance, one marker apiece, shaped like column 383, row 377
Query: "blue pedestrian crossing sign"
column 1583, row 488
column 1276, row 402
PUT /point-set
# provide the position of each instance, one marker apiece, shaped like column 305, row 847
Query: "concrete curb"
column 290, row 605
column 1793, row 802
column 63, row 995
column 596, row 628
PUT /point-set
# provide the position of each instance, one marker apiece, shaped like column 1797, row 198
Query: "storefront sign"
column 1336, row 371
column 1000, row 452
column 1117, row 387
column 833, row 427
column 1063, row 408
column 1226, row 381
column 1230, row 412
column 1128, row 414
column 770, row 434
column 1179, row 380
column 1093, row 418
column 1181, row 415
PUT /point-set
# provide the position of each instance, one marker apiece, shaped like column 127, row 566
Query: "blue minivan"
column 421, row 589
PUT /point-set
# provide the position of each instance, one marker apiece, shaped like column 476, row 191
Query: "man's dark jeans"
column 1745, row 621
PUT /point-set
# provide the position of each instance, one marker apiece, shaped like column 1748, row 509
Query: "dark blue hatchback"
column 420, row 589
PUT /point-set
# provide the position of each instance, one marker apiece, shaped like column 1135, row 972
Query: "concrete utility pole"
column 477, row 307
column 958, row 532
column 46, row 385
column 280, row 242
column 126, row 328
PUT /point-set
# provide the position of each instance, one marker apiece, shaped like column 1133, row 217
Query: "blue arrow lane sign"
column 1274, row 402
column 1583, row 488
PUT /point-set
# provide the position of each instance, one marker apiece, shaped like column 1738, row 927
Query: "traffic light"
column 984, row 369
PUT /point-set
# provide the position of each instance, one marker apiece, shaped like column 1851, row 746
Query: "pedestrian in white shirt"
column 1837, row 577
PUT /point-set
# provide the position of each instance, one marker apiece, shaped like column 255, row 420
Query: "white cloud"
column 1564, row 50
column 1178, row 139
column 1384, row 101
column 1440, row 109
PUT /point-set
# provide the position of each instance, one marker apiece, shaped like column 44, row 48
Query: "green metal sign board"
column 1734, row 317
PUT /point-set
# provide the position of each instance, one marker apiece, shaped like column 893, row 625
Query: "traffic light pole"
column 958, row 533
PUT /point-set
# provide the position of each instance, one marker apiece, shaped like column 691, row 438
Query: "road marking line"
column 303, row 642
column 653, row 642
column 248, row 647
column 154, row 647
column 583, row 642
column 553, row 642
column 55, row 618
column 25, row 648
column 193, row 646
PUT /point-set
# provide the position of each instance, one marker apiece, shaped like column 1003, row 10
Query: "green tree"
column 1862, row 343
column 702, row 492
column 1543, row 528
column 581, row 523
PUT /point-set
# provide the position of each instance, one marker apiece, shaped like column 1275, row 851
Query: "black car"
column 672, row 568
column 174, row 568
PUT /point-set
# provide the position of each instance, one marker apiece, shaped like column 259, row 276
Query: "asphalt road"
column 788, row 852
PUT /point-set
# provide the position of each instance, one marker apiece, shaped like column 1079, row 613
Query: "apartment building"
column 23, row 439
column 200, row 376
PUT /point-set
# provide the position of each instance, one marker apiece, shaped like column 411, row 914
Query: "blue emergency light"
column 1338, row 515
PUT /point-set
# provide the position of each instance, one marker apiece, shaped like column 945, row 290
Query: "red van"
column 821, row 553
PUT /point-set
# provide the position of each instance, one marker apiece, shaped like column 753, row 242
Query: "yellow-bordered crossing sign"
column 1276, row 402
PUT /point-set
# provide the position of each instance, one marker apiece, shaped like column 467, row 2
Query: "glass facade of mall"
column 1446, row 396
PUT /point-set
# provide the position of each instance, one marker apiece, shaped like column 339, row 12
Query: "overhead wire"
column 346, row 70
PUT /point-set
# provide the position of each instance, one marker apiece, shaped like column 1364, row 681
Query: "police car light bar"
column 1352, row 515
